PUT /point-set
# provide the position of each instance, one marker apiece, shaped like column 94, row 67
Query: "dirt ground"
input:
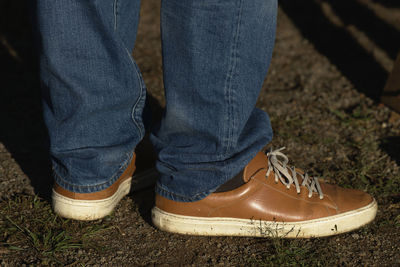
column 331, row 61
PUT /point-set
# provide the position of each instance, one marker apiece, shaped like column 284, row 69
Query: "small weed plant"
column 29, row 226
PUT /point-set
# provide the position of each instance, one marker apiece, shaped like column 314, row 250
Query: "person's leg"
column 216, row 53
column 215, row 57
column 93, row 93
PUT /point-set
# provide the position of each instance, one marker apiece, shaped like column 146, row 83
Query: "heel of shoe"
column 87, row 210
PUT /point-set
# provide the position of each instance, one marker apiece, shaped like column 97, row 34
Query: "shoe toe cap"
column 346, row 199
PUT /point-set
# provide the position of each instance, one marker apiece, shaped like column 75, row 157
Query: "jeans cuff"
column 180, row 198
column 61, row 181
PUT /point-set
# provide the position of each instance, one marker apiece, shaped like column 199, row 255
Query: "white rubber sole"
column 218, row 226
column 87, row 210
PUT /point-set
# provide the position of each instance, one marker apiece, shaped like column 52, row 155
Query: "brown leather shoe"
column 275, row 201
column 92, row 206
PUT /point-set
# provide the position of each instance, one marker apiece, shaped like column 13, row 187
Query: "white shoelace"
column 277, row 162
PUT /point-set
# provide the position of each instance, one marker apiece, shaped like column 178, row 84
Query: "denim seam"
column 142, row 89
column 235, row 110
column 63, row 183
column 134, row 117
column 231, row 120
column 115, row 14
column 140, row 99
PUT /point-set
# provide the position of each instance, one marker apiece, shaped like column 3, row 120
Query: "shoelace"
column 277, row 162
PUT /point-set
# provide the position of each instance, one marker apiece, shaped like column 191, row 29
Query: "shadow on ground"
column 23, row 131
column 325, row 24
column 389, row 3
column 392, row 146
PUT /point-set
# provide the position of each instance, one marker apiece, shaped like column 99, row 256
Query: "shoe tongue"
column 232, row 184
column 259, row 162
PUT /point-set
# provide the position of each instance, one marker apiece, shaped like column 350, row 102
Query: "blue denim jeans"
column 215, row 57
